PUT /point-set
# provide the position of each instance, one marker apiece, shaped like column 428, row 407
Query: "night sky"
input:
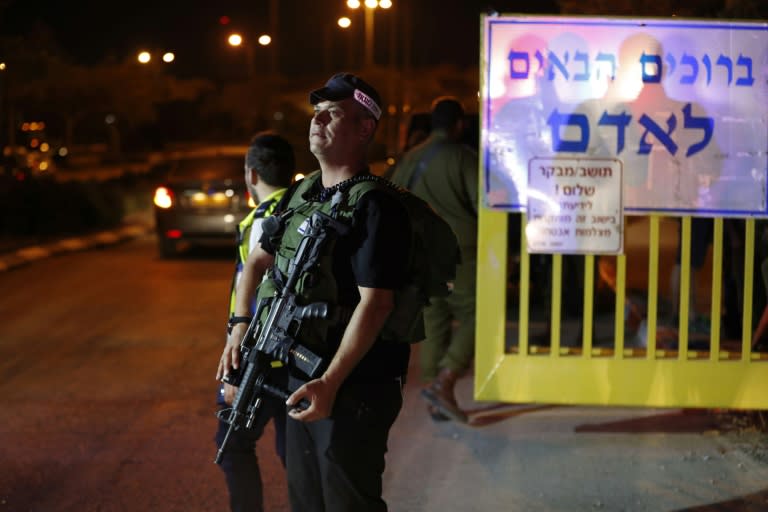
column 89, row 31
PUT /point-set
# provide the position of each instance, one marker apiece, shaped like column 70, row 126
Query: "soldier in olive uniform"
column 444, row 172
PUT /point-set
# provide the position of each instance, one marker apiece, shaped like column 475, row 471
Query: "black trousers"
column 336, row 464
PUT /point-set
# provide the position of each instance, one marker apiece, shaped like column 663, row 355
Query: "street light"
column 370, row 6
column 236, row 40
column 144, row 57
column 342, row 23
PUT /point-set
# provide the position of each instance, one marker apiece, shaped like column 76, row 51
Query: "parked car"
column 199, row 201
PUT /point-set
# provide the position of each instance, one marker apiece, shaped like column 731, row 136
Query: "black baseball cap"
column 346, row 85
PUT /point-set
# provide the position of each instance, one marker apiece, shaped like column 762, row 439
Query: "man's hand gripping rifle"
column 273, row 338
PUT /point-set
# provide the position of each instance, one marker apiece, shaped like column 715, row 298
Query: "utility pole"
column 395, row 98
column 3, row 101
column 369, row 39
column 274, row 28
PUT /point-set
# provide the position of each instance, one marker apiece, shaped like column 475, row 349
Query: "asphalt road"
column 107, row 363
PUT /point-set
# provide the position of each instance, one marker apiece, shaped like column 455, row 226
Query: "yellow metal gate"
column 529, row 351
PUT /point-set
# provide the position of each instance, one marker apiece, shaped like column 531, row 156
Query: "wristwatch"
column 234, row 320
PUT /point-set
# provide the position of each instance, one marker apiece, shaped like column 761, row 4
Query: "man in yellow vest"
column 269, row 170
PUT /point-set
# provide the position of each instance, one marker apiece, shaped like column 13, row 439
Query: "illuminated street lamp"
column 370, row 6
column 264, row 39
column 328, row 35
column 236, row 40
column 144, row 57
column 344, row 23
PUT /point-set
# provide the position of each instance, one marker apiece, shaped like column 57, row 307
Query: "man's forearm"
column 253, row 271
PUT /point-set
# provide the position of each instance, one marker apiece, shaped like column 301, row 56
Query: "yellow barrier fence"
column 626, row 344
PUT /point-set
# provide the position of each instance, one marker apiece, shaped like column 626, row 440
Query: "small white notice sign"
column 575, row 206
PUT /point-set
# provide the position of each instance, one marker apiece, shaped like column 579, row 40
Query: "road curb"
column 34, row 253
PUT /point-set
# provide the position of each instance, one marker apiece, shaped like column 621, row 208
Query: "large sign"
column 681, row 105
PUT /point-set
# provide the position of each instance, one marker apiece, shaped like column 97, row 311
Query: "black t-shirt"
column 374, row 254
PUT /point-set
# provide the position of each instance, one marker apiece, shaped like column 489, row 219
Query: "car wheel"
column 167, row 248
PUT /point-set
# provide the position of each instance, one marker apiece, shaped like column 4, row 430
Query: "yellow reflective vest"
column 244, row 234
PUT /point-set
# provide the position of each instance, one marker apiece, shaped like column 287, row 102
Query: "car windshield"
column 209, row 169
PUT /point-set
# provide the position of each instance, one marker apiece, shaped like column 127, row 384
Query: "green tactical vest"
column 432, row 263
column 319, row 284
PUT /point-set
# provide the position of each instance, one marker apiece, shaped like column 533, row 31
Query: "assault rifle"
column 273, row 338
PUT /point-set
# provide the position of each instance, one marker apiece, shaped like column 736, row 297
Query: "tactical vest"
column 317, row 284
column 427, row 276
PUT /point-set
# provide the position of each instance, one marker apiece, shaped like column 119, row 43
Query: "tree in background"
column 42, row 82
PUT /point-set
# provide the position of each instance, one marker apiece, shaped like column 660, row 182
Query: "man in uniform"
column 336, row 446
column 443, row 172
